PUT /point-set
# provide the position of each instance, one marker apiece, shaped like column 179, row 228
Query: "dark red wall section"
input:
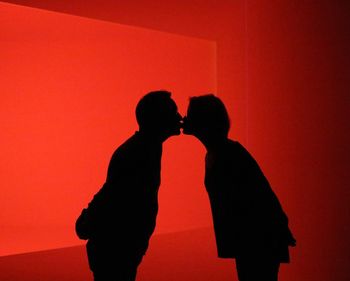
column 298, row 126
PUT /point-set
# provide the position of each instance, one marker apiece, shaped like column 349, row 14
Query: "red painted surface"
column 69, row 90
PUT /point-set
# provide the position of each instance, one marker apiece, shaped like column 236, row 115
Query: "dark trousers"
column 117, row 274
column 113, row 263
column 257, row 270
column 117, row 269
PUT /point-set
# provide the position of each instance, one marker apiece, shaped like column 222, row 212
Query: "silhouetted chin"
column 186, row 131
column 174, row 132
column 177, row 132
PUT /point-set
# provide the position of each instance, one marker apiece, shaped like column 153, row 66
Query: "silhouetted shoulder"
column 124, row 156
column 127, row 147
column 244, row 158
column 240, row 150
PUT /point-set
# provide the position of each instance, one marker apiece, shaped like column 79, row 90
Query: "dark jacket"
column 248, row 218
column 121, row 217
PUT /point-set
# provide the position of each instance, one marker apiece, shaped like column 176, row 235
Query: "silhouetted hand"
column 81, row 226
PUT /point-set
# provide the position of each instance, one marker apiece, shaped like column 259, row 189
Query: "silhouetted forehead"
column 172, row 105
column 194, row 108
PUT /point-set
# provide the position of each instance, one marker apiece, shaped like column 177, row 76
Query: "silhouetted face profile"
column 157, row 114
column 207, row 118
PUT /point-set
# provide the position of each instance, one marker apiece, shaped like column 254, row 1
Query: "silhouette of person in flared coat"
column 120, row 219
column 249, row 222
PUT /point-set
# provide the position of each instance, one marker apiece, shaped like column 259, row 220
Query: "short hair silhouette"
column 211, row 114
column 150, row 108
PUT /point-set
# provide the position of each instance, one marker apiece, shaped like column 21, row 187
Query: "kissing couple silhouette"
column 249, row 222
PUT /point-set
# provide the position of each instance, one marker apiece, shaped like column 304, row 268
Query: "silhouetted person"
column 249, row 222
column 120, row 219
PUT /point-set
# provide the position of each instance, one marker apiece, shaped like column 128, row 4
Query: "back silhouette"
column 249, row 222
column 120, row 219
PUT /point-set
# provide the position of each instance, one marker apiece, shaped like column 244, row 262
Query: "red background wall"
column 69, row 90
column 298, row 124
column 282, row 68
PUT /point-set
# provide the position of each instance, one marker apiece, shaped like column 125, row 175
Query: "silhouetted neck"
column 150, row 137
column 214, row 144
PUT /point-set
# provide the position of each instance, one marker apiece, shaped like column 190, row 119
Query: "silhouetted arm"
column 268, row 204
column 87, row 222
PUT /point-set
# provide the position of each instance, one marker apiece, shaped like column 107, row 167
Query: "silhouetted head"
column 207, row 118
column 157, row 114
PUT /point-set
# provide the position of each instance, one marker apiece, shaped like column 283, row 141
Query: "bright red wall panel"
column 69, row 87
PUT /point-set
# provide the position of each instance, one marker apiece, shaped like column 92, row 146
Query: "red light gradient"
column 282, row 70
column 69, row 89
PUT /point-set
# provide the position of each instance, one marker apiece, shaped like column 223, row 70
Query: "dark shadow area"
column 249, row 222
column 120, row 219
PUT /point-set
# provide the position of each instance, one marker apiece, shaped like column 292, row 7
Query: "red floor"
column 187, row 255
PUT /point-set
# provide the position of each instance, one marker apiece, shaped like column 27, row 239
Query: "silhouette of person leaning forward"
column 120, row 219
column 249, row 222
